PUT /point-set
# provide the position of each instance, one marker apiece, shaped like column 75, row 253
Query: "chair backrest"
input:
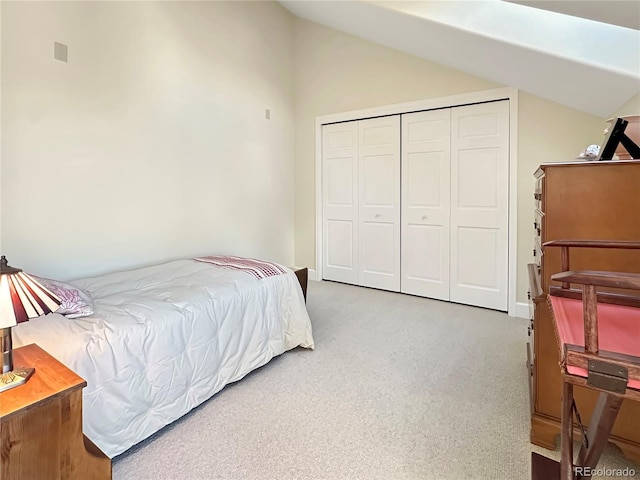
column 589, row 281
column 621, row 314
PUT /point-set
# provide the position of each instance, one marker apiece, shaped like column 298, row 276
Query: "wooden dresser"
column 581, row 201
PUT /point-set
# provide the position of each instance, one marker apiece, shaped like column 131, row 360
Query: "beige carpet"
column 399, row 387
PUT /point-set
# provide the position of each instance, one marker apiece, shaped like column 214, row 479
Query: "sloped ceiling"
column 588, row 65
column 625, row 13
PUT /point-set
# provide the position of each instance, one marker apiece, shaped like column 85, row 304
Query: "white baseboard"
column 522, row 310
column 311, row 273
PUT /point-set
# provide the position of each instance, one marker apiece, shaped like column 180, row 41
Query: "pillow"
column 76, row 303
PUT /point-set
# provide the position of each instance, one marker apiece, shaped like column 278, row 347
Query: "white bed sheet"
column 164, row 339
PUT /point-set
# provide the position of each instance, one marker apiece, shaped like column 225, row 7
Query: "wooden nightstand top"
column 50, row 379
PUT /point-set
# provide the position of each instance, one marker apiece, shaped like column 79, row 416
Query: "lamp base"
column 15, row 378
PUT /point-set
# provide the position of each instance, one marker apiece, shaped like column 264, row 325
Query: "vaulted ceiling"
column 585, row 54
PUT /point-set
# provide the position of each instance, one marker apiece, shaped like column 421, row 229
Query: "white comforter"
column 164, row 339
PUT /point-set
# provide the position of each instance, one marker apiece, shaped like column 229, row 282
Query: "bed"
column 163, row 339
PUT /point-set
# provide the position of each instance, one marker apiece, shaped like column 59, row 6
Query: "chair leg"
column 566, row 432
column 600, row 426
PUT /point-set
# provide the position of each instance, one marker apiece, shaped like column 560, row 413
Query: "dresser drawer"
column 535, row 297
column 538, row 227
column 537, row 262
column 538, row 195
column 530, row 377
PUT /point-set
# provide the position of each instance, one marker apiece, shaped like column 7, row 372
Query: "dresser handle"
column 535, row 225
column 538, row 230
column 529, row 295
column 534, row 252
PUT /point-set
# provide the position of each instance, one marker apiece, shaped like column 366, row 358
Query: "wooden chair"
column 598, row 336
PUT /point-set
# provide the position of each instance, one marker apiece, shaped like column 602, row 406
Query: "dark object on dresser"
column 579, row 200
column 616, row 136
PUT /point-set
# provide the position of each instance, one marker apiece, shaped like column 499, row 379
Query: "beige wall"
column 151, row 143
column 632, row 107
column 337, row 72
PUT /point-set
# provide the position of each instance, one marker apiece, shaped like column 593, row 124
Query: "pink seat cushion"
column 618, row 329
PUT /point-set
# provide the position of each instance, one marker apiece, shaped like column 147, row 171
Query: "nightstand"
column 41, row 425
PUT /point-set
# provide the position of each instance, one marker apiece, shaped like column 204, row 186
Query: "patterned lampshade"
column 21, row 297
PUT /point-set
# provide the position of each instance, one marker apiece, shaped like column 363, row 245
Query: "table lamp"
column 21, row 298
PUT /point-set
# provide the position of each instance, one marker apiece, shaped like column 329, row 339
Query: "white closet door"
column 379, row 206
column 340, row 201
column 426, row 166
column 479, row 204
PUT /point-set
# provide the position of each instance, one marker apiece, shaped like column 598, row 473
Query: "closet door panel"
column 479, row 204
column 340, row 201
column 379, row 202
column 420, row 268
column 377, row 238
column 425, row 222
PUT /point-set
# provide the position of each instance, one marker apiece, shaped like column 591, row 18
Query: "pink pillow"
column 76, row 303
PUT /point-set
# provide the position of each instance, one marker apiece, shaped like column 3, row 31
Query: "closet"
column 418, row 203
column 361, row 193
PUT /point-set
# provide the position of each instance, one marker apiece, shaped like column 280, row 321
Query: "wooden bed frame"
column 303, row 276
